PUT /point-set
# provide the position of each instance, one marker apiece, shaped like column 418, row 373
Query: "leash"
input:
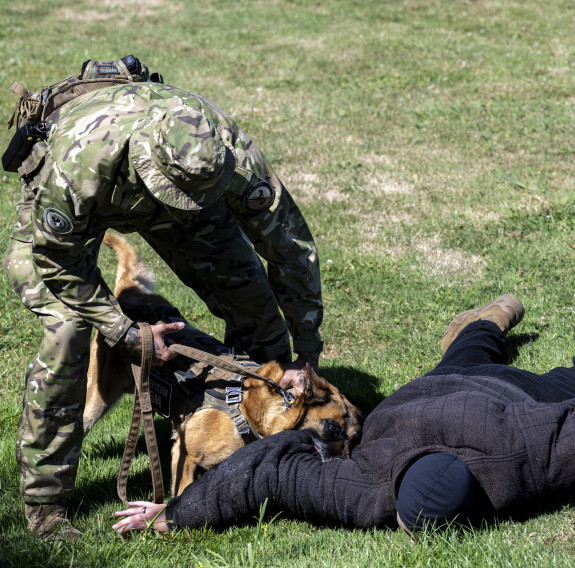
column 142, row 412
column 216, row 361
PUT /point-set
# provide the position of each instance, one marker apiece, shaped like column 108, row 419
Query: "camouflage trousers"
column 50, row 430
column 212, row 257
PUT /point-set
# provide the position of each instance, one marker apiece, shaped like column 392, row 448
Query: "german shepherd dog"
column 207, row 436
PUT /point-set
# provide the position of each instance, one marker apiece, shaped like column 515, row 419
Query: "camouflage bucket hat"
column 181, row 158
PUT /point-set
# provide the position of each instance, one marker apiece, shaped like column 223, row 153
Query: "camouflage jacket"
column 87, row 183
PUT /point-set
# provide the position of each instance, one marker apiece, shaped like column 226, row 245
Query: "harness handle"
column 216, row 361
column 142, row 411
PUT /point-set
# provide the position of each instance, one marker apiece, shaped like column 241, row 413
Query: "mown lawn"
column 430, row 146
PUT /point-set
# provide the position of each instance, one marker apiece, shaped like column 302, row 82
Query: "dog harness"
column 176, row 394
column 177, row 389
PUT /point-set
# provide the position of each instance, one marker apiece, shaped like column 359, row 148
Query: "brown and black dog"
column 207, row 436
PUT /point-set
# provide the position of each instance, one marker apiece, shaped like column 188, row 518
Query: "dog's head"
column 332, row 421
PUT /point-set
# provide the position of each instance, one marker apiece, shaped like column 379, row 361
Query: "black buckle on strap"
column 237, row 353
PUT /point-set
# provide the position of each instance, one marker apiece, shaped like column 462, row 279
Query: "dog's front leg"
column 183, row 464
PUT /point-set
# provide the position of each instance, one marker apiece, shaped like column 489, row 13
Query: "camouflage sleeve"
column 65, row 250
column 282, row 237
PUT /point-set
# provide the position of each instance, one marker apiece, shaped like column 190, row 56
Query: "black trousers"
column 479, row 350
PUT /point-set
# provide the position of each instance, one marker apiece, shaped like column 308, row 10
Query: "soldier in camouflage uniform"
column 173, row 167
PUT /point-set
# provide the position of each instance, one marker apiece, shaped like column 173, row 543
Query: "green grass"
column 429, row 144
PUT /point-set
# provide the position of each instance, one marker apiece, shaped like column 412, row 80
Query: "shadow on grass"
column 97, row 493
column 362, row 389
column 515, row 342
column 530, row 511
column 113, row 448
column 139, row 485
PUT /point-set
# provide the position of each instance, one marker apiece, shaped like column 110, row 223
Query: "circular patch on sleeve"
column 259, row 197
column 57, row 221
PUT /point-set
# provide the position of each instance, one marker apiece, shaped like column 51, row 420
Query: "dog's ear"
column 272, row 370
column 314, row 386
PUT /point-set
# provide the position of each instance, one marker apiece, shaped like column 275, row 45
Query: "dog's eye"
column 332, row 429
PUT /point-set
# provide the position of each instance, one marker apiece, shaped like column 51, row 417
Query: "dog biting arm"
column 286, row 470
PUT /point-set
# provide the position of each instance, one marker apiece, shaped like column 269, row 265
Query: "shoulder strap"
column 20, row 90
column 37, row 105
column 33, row 108
column 142, row 411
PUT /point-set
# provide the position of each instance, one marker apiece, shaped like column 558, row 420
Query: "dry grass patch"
column 450, row 266
column 308, row 188
column 533, row 204
column 382, row 184
column 477, row 214
column 448, row 263
column 308, row 183
column 108, row 9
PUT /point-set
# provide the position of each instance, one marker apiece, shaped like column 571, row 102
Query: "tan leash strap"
column 220, row 362
column 129, row 449
column 142, row 411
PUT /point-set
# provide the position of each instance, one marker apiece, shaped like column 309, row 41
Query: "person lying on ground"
column 470, row 439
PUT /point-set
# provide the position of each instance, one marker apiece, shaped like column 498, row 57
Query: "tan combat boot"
column 48, row 521
column 506, row 312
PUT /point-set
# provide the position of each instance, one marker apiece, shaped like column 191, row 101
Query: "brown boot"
column 48, row 521
column 506, row 312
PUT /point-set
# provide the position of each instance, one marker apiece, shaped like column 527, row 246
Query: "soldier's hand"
column 162, row 353
column 293, row 376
